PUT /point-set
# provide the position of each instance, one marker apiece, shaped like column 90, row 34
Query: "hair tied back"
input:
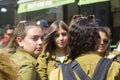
column 91, row 17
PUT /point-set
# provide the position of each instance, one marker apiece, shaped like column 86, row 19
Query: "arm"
column 42, row 67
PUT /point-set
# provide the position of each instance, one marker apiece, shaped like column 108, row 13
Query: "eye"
column 35, row 38
column 64, row 34
column 56, row 35
column 106, row 41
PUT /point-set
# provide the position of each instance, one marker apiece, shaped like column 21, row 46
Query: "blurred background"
column 106, row 11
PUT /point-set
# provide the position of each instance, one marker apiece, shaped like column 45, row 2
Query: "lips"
column 39, row 49
column 61, row 43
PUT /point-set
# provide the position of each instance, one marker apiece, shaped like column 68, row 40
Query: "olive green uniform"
column 47, row 64
column 115, row 53
column 88, row 62
column 26, row 65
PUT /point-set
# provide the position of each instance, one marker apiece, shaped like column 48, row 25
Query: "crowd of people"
column 33, row 50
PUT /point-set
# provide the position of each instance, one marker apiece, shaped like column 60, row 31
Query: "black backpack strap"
column 102, row 69
column 78, row 70
column 99, row 73
column 67, row 70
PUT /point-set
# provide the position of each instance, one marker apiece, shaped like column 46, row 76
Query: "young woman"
column 55, row 49
column 84, row 40
column 103, row 49
column 26, row 42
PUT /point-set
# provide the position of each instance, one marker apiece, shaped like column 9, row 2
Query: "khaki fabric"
column 115, row 53
column 56, row 74
column 47, row 64
column 88, row 62
column 26, row 65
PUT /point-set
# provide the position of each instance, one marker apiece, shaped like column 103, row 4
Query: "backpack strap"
column 99, row 73
column 78, row 70
column 67, row 70
column 102, row 69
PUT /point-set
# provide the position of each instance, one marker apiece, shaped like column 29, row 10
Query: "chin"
column 99, row 51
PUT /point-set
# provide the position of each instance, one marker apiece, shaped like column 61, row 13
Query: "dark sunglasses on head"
column 105, row 41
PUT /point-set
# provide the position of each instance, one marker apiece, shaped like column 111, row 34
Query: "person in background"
column 44, row 25
column 26, row 42
column 7, row 68
column 98, row 20
column 55, row 51
column 103, row 49
column 1, row 35
column 7, row 34
column 108, row 30
column 84, row 40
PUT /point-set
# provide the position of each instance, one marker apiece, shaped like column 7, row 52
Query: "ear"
column 19, row 40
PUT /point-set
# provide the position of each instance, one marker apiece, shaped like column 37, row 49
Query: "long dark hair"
column 49, row 44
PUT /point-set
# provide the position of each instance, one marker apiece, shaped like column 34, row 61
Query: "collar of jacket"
column 27, row 56
column 53, row 56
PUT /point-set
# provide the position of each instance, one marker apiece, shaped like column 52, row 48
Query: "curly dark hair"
column 83, row 35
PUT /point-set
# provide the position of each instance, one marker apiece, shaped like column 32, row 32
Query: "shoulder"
column 115, row 64
column 114, row 71
column 116, row 52
column 22, row 60
column 43, row 58
column 115, row 67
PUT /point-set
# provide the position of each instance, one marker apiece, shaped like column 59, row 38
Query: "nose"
column 40, row 41
column 101, row 42
column 60, row 37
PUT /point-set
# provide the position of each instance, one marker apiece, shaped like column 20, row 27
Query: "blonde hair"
column 7, row 68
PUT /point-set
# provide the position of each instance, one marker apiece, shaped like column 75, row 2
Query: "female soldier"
column 27, row 44
column 103, row 49
column 84, row 40
column 55, row 49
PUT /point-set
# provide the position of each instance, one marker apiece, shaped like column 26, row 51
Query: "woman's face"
column 32, row 43
column 104, row 43
column 61, row 38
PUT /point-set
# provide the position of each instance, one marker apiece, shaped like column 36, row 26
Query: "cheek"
column 30, row 48
column 106, row 46
column 29, row 44
column 66, row 39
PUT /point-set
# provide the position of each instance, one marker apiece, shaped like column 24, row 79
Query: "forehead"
column 102, row 34
column 9, row 30
column 34, row 31
column 61, row 29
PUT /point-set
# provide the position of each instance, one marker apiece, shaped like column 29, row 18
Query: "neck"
column 60, row 52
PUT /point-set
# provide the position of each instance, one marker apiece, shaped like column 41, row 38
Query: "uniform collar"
column 53, row 56
column 27, row 56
